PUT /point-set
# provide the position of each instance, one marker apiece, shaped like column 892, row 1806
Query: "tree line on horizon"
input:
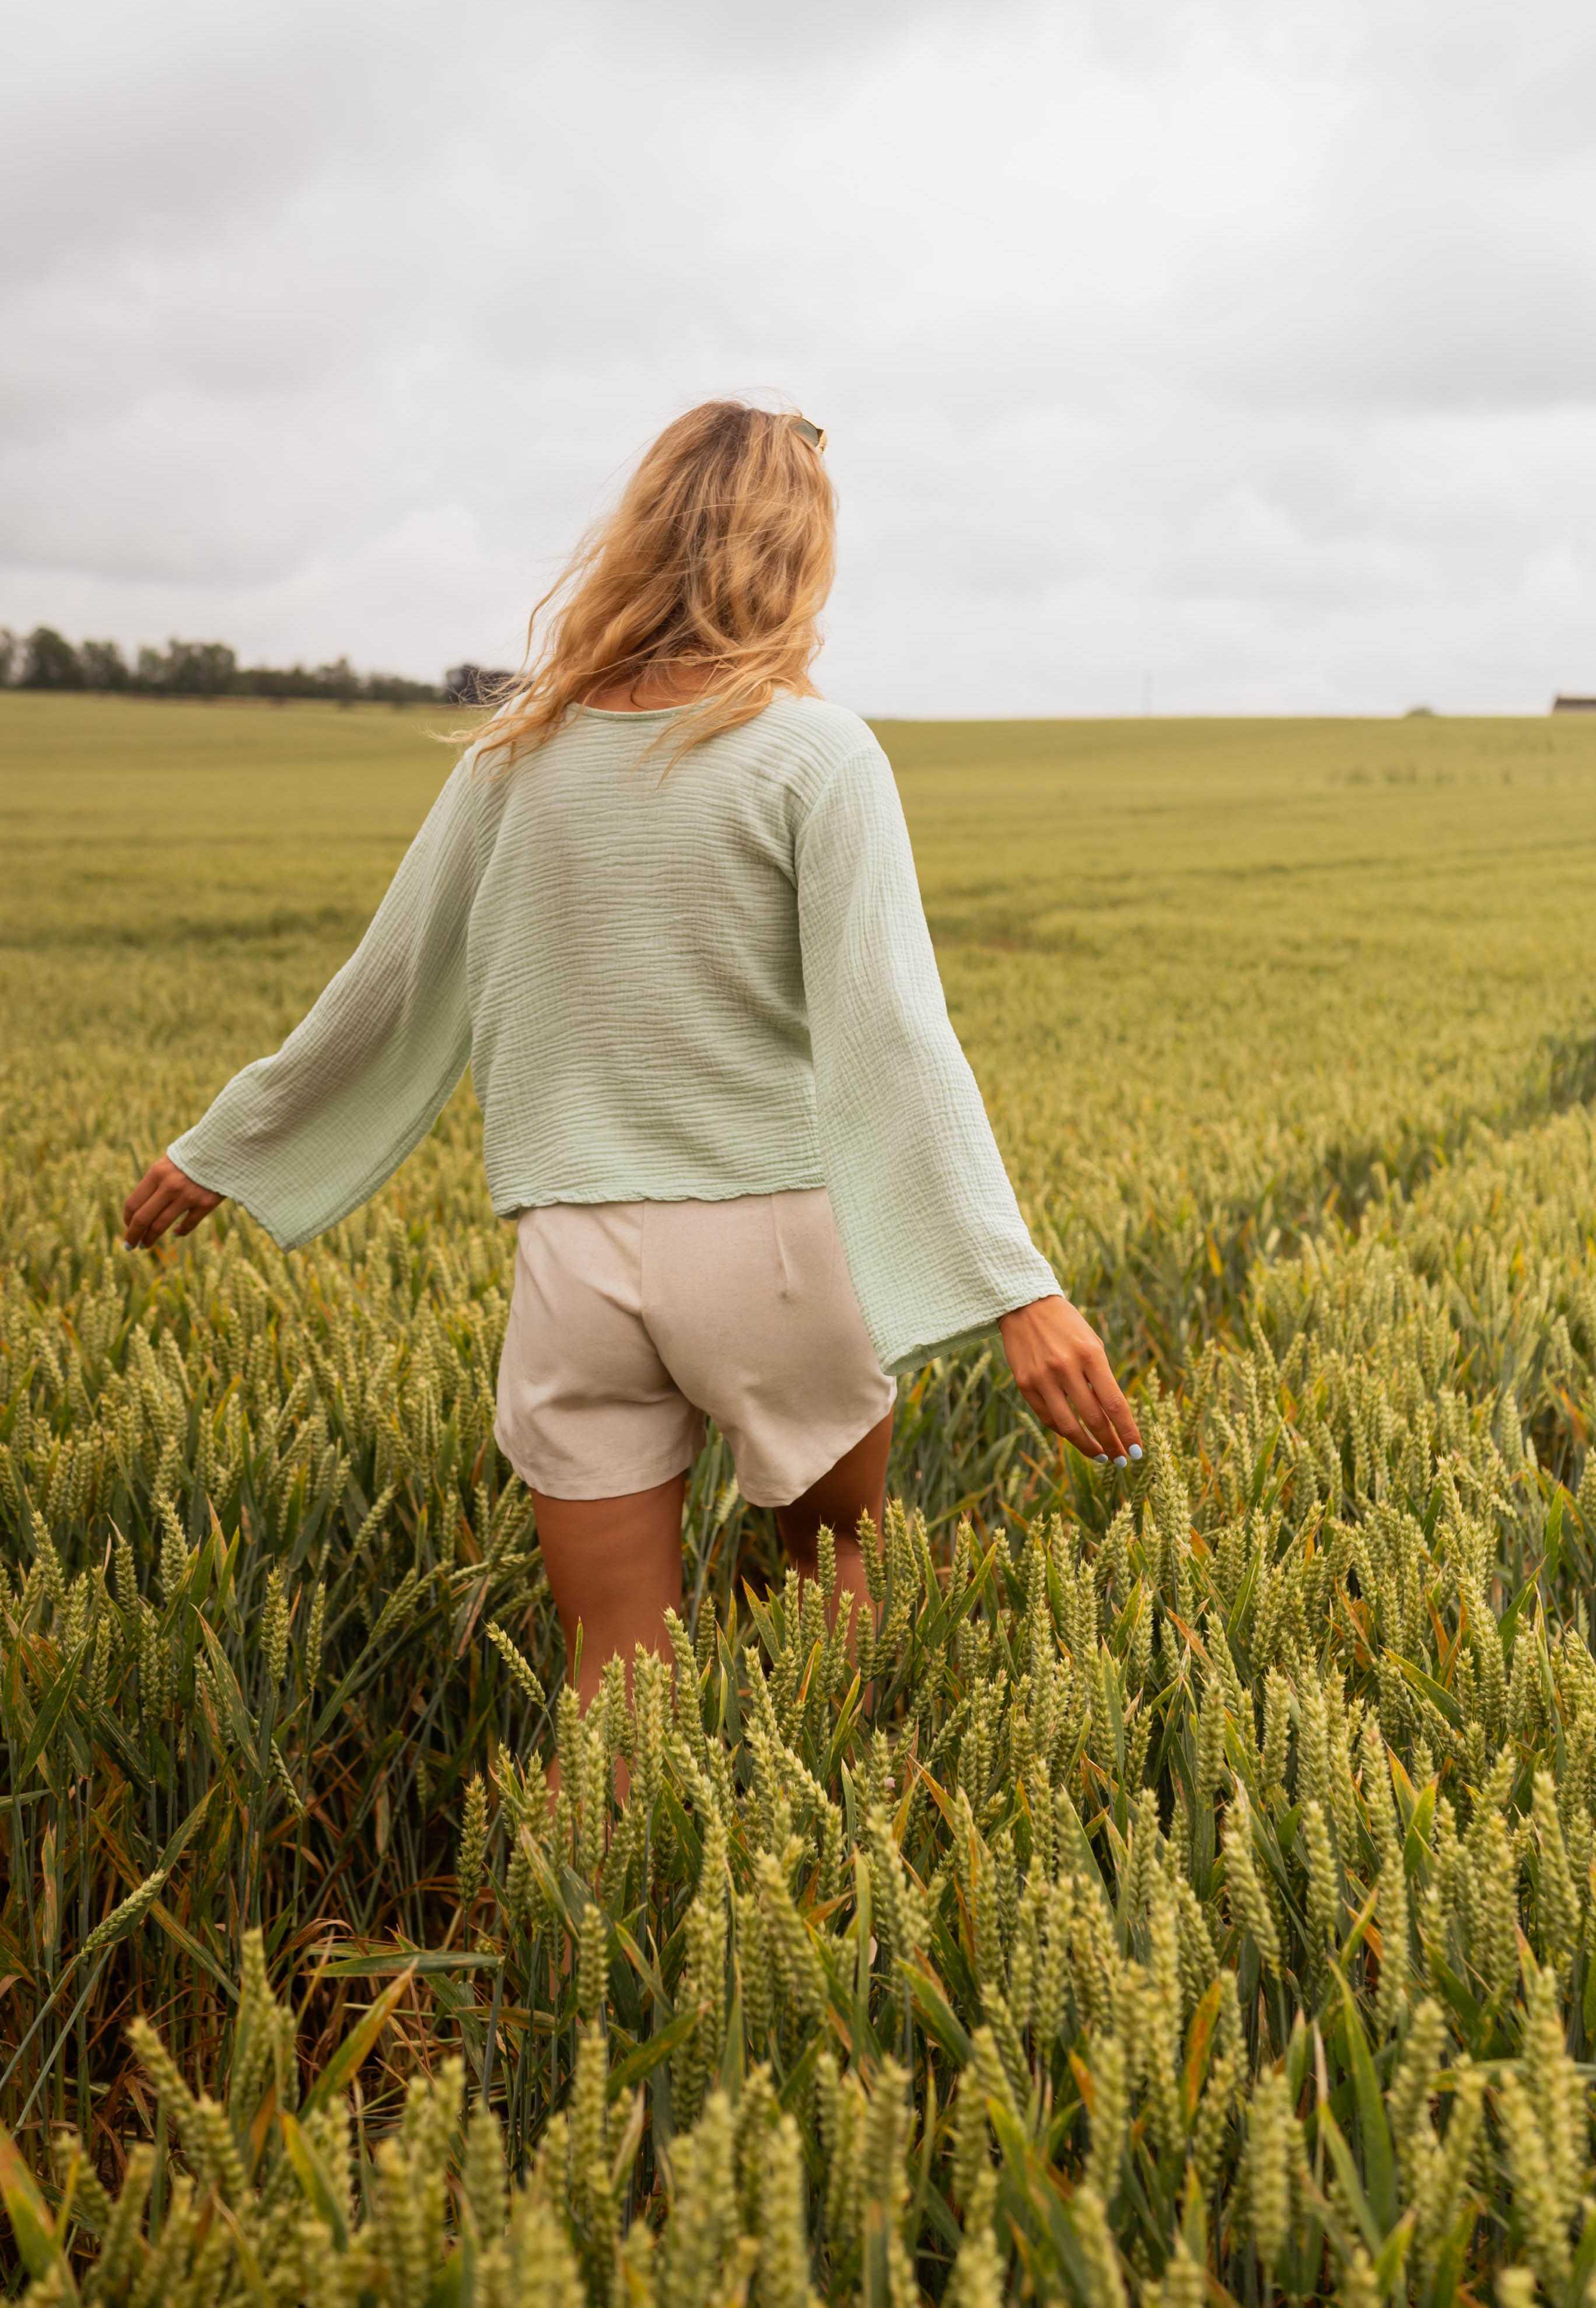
column 45, row 660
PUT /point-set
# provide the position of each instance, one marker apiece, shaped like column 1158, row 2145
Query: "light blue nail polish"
column 1101, row 1459
column 1121, row 1462
column 1135, row 1450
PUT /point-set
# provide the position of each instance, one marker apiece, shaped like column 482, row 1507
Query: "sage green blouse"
column 668, row 987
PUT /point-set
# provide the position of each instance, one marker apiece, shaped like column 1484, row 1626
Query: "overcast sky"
column 1244, row 351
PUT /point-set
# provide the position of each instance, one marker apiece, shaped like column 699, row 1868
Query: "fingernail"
column 1135, row 1450
column 1101, row 1459
column 1121, row 1462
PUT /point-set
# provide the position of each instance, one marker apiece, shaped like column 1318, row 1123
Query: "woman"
column 666, row 909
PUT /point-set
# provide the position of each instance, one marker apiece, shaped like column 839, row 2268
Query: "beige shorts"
column 630, row 1319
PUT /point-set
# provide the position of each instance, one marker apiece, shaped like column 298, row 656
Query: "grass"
column 1198, row 1877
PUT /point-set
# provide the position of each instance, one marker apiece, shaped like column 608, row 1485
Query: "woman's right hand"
column 165, row 1193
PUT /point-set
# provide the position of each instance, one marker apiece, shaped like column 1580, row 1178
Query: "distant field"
column 1240, row 960
column 1288, row 1031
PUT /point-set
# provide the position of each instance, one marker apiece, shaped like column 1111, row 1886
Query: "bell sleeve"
column 933, row 1237
column 303, row 1138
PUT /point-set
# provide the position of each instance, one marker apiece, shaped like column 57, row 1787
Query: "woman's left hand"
column 1060, row 1368
column 165, row 1193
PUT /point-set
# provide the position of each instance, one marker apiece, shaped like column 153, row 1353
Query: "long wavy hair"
column 719, row 556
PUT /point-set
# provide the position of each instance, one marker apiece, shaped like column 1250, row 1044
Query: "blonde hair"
column 720, row 556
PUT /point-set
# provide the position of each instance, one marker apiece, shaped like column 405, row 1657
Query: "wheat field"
column 1184, row 1894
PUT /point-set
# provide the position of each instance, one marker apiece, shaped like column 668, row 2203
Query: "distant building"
column 1573, row 704
column 474, row 685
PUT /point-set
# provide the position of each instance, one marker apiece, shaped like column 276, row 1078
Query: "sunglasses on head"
column 813, row 433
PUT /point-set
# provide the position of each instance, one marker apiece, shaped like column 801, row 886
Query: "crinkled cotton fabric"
column 668, row 986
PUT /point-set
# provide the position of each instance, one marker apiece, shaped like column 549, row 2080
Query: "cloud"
column 1243, row 346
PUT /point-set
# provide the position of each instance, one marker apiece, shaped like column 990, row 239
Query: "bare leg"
column 614, row 1568
column 614, row 1565
column 856, row 1485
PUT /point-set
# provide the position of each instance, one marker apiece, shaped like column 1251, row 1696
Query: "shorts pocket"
column 808, row 1249
column 785, row 1249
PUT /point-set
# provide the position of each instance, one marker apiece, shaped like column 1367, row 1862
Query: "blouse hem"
column 511, row 1203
